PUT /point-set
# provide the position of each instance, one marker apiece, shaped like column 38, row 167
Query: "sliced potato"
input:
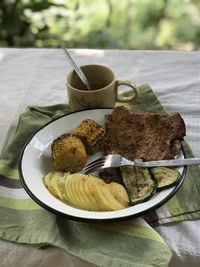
column 65, row 191
column 47, row 179
column 86, row 191
column 54, row 184
column 74, row 198
column 79, row 192
column 74, row 185
column 88, row 194
column 85, row 194
column 51, row 183
column 114, row 204
column 96, row 190
column 83, row 200
column 69, row 192
column 61, row 186
column 90, row 187
column 105, row 198
column 73, row 180
column 76, row 192
column 119, row 193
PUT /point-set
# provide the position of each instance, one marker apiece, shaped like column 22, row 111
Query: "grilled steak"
column 111, row 175
column 145, row 135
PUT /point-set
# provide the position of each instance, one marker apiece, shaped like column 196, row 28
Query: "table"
column 37, row 77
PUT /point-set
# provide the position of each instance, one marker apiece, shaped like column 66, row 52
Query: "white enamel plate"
column 35, row 163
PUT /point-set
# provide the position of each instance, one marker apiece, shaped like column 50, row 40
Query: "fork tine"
column 95, row 168
column 99, row 160
column 96, row 164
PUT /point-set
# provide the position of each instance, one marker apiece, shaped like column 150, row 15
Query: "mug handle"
column 126, row 98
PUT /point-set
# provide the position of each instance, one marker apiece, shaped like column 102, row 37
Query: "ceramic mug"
column 104, row 86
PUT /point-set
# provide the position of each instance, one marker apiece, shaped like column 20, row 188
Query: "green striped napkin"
column 130, row 243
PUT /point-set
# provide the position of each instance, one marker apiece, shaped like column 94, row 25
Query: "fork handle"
column 163, row 163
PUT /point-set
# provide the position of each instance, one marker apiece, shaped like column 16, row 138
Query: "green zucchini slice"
column 139, row 183
column 165, row 177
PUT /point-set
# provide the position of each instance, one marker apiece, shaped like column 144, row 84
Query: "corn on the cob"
column 68, row 153
column 91, row 134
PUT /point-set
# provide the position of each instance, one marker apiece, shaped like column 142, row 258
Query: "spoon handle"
column 78, row 70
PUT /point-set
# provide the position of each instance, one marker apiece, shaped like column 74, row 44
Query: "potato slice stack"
column 86, row 191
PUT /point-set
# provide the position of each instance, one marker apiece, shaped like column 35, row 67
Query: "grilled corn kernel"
column 91, row 134
column 68, row 153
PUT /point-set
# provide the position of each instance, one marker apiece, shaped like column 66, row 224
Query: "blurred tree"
column 128, row 24
column 16, row 25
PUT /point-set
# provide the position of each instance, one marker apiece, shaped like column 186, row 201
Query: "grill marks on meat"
column 146, row 135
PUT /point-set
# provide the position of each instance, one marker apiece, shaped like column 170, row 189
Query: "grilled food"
column 68, row 153
column 139, row 184
column 145, row 135
column 165, row 177
column 86, row 192
column 91, row 134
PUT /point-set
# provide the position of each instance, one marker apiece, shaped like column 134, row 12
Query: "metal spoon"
column 77, row 70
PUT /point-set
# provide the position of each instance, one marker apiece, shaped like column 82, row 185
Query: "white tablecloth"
column 37, row 77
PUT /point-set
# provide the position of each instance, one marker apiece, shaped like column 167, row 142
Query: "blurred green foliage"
column 125, row 24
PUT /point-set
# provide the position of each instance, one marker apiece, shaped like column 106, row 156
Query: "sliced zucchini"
column 165, row 177
column 139, row 183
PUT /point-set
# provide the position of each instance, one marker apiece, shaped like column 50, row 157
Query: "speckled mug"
column 104, row 86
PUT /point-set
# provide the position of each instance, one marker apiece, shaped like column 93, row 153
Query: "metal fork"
column 116, row 160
